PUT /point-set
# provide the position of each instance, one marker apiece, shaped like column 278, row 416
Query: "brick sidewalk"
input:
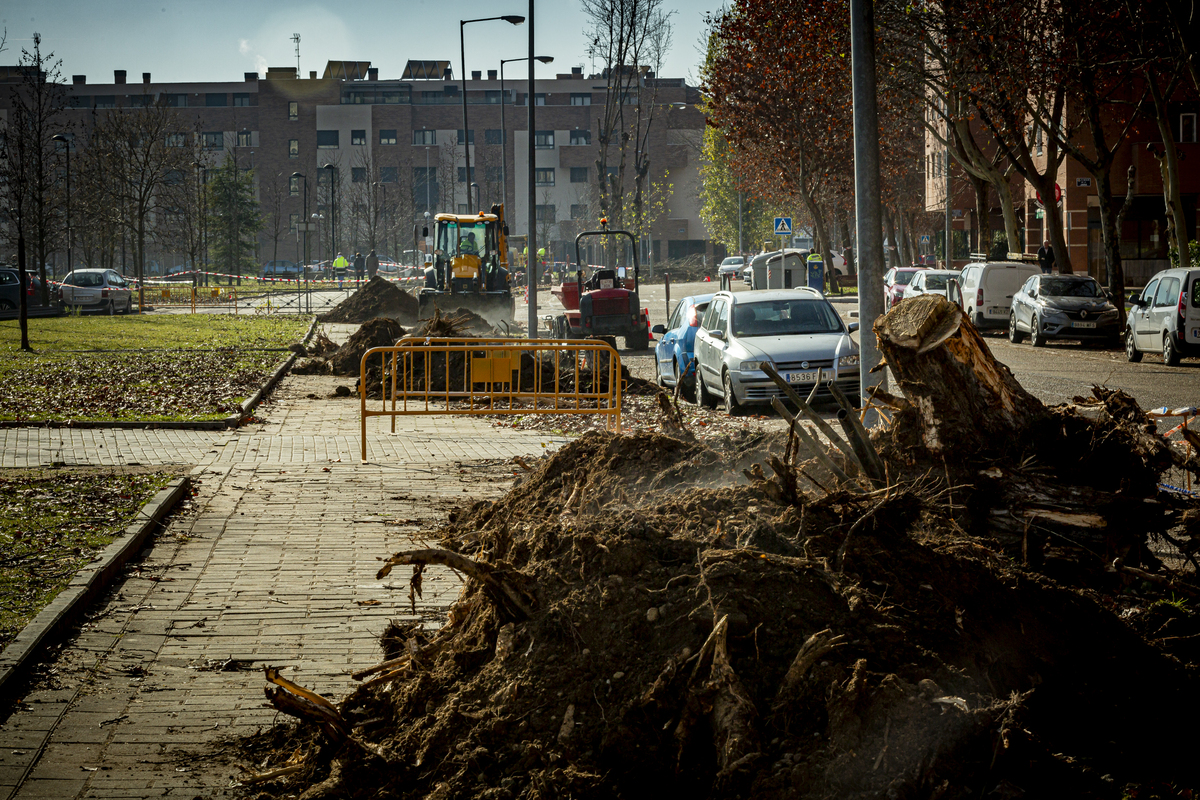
column 269, row 569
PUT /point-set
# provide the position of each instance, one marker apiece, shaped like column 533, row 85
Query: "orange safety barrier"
column 490, row 376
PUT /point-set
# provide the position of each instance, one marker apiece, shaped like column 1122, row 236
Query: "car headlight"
column 752, row 366
column 850, row 360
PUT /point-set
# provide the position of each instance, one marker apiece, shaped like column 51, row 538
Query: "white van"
column 1165, row 317
column 988, row 288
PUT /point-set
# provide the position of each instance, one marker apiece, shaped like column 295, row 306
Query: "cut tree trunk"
column 965, row 400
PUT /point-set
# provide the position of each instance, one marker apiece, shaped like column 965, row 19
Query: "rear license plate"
column 801, row 377
column 1083, row 324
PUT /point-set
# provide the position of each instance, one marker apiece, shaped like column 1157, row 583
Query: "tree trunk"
column 1008, row 208
column 1112, row 246
column 983, row 224
column 965, row 400
column 1169, row 163
column 890, row 229
column 1053, row 219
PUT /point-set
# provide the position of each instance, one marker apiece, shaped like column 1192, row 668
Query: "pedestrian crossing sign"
column 925, row 238
column 783, row 226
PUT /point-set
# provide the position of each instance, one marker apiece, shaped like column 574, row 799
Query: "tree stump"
column 963, row 398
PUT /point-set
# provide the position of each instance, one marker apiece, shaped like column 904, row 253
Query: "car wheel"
column 1036, row 337
column 1132, row 354
column 112, row 308
column 1014, row 335
column 659, row 380
column 703, row 397
column 1170, row 353
column 732, row 408
column 6, row 305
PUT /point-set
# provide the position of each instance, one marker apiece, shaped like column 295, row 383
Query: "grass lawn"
column 53, row 523
column 140, row 367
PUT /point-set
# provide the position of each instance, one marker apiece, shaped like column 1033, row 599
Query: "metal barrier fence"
column 1188, row 413
column 490, row 376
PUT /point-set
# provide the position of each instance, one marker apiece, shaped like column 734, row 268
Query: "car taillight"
column 104, row 292
column 979, row 299
column 693, row 318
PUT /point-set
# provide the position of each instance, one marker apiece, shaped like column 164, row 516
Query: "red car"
column 894, row 282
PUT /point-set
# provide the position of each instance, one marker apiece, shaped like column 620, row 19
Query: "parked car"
column 676, row 345
column 1165, row 317
column 748, row 276
column 796, row 330
column 1074, row 307
column 731, row 266
column 931, row 281
column 96, row 290
column 988, row 288
column 287, row 270
column 895, row 281
column 10, row 289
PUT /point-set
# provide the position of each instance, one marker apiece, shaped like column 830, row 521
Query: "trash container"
column 816, row 273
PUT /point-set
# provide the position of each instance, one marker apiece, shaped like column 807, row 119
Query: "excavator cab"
column 469, row 268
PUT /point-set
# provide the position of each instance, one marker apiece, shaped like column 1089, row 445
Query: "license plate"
column 801, row 377
column 1083, row 324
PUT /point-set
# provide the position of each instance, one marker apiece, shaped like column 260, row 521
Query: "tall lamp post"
column 200, row 271
column 66, row 143
column 512, row 19
column 305, row 217
column 332, row 207
column 503, row 130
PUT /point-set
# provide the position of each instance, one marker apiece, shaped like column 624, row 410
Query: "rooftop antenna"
column 296, row 39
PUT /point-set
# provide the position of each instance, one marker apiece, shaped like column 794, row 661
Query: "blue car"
column 675, row 348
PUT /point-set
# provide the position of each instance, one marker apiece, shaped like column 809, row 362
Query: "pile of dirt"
column 376, row 298
column 647, row 615
column 379, row 332
column 459, row 322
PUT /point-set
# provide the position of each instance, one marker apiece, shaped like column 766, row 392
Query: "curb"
column 88, row 583
column 232, row 421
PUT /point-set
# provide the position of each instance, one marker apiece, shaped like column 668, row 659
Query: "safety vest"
column 340, row 262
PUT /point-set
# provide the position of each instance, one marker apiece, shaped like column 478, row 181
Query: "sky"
column 219, row 40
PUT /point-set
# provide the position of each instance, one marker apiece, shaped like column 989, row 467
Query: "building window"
column 389, row 174
column 244, row 139
column 139, row 101
column 294, row 185
column 492, row 98
column 613, row 172
column 539, row 99
column 327, row 140
column 358, row 137
column 293, row 110
column 581, row 136
column 493, row 136
column 578, row 99
column 470, row 136
column 1187, row 128
column 545, row 213
column 425, row 189
column 543, row 140
column 106, row 101
column 216, row 100
column 174, row 177
column 544, row 177
column 495, row 174
column 358, row 174
column 173, row 100
column 579, row 174
column 213, row 140
column 241, row 99
column 579, row 211
column 293, row 148
column 424, row 137
column 462, row 174
column 387, row 135
column 177, row 140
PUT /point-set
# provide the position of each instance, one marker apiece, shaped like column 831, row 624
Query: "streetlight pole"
column 332, row 207
column 304, row 261
column 462, row 45
column 504, row 130
column 530, row 236
column 67, row 148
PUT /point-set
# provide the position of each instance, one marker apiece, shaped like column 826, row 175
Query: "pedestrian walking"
column 1045, row 257
column 372, row 264
column 359, row 267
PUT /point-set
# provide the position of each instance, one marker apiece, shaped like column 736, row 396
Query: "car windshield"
column 784, row 318
column 85, row 279
column 1056, row 287
column 463, row 238
column 937, row 281
column 904, row 278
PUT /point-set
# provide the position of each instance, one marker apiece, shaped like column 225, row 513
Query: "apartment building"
column 380, row 153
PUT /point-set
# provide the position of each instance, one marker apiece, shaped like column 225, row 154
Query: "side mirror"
column 852, row 327
column 506, row 229
column 659, row 329
column 717, row 333
column 425, row 233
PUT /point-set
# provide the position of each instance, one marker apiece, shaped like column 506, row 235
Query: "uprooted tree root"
column 637, row 620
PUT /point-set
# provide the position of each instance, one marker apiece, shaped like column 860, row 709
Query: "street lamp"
column 512, row 19
column 305, row 178
column 504, row 131
column 475, row 189
column 317, row 217
column 203, row 207
column 332, row 207
column 67, row 149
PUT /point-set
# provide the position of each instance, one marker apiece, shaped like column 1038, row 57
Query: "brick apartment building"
column 392, row 147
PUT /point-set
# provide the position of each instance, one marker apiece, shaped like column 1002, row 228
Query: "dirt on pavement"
column 376, row 298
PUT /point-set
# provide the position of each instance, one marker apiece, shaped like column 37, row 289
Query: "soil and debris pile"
column 642, row 618
column 376, row 298
column 379, row 332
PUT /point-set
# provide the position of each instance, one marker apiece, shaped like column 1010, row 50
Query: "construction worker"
column 467, row 245
column 340, row 265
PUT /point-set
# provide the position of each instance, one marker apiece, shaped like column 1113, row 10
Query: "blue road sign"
column 783, row 226
column 925, row 238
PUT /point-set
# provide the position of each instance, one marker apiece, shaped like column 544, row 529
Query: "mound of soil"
column 460, row 321
column 376, row 298
column 379, row 332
